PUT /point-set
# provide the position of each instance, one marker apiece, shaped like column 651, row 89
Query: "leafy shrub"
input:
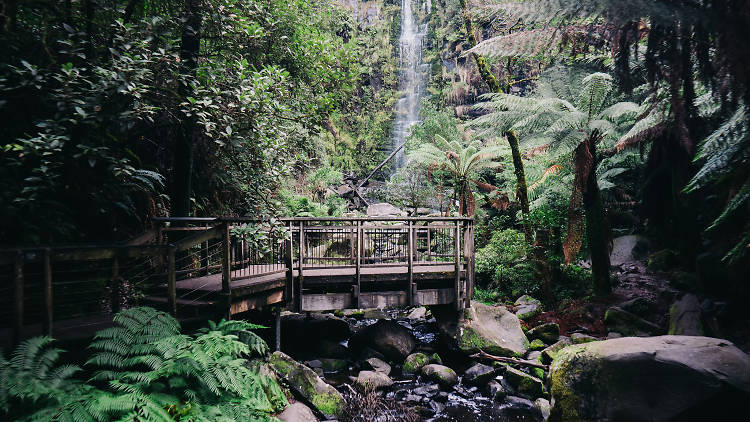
column 576, row 283
column 144, row 369
column 504, row 264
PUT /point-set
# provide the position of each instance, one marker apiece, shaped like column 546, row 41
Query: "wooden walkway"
column 212, row 267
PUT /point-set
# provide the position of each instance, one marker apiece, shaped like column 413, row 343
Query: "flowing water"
column 413, row 76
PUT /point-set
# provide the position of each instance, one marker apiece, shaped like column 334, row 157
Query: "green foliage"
column 294, row 205
column 144, row 370
column 504, row 265
column 409, row 188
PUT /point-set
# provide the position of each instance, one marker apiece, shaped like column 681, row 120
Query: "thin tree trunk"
column 183, row 169
column 494, row 85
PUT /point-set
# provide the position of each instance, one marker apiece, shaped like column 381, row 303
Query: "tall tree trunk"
column 494, row 85
column 183, row 154
column 8, row 10
column 597, row 227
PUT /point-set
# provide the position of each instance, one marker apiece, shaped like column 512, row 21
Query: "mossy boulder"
column 308, row 384
column 524, row 384
column 537, row 344
column 414, row 363
column 622, row 321
column 663, row 260
column 492, row 329
column 372, row 379
column 549, row 353
column 580, row 338
column 548, row 333
column 685, row 317
column 662, row 378
column 527, row 307
column 440, row 374
column 377, row 365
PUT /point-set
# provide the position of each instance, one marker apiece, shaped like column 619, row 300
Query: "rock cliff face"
column 664, row 378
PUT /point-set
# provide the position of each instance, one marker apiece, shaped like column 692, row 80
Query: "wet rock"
column 367, row 353
column 440, row 374
column 334, row 365
column 548, row 354
column 378, row 365
column 685, row 317
column 442, row 397
column 374, row 313
column 435, row 358
column 496, row 390
column 428, row 390
column 478, row 374
column 308, row 384
column 492, row 329
column 417, row 313
column 622, row 321
column 388, row 337
column 297, row 412
column 548, row 333
column 650, row 379
column 412, row 398
column 384, row 209
column 638, row 306
column 613, row 334
column 414, row 362
column 527, row 307
column 662, row 260
column 519, row 402
column 537, row 345
column 524, row 384
column 579, row 338
column 373, row 379
column 534, row 356
column 544, row 407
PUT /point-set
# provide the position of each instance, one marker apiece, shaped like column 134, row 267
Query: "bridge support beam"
column 277, row 327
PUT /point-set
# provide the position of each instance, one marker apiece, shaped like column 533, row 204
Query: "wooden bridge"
column 211, row 267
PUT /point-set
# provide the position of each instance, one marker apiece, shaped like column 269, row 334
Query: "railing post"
column 171, row 281
column 289, row 260
column 457, row 259
column 469, row 255
column 48, row 304
column 301, row 263
column 226, row 271
column 410, row 249
column 18, row 298
column 358, row 271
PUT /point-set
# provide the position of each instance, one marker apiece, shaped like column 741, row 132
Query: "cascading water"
column 413, row 75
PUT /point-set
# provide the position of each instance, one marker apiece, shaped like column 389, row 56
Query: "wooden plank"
column 381, row 300
column 326, row 301
column 256, row 302
column 47, row 288
column 289, row 261
column 385, row 299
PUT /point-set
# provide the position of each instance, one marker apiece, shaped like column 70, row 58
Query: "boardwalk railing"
column 192, row 266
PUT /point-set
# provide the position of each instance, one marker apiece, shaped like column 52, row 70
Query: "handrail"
column 298, row 219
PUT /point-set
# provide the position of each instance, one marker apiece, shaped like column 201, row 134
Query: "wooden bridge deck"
column 205, row 268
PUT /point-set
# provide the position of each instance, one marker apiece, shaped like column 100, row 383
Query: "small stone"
column 534, row 356
column 412, row 398
column 580, row 338
column 378, row 365
column 443, row 375
column 297, row 412
column 427, row 390
column 527, row 307
column 417, row 313
column 478, row 374
column 414, row 363
column 373, row 379
column 548, row 333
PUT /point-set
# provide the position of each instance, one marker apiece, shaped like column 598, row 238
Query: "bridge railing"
column 45, row 286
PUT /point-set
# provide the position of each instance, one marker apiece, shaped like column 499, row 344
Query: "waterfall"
column 412, row 78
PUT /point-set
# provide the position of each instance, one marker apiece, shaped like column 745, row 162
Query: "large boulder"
column 388, row 337
column 440, row 374
column 523, row 384
column 478, row 375
column 372, row 379
column 685, row 317
column 384, row 209
column 666, row 378
column 548, row 333
column 308, row 384
column 492, row 329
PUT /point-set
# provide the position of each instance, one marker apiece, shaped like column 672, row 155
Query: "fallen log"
column 512, row 361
